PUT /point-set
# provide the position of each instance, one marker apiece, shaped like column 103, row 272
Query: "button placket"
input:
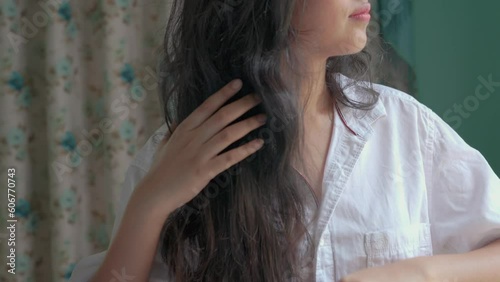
column 325, row 239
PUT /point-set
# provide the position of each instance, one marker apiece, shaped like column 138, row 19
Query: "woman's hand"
column 409, row 270
column 187, row 160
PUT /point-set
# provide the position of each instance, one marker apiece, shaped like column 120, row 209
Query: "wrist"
column 144, row 201
column 426, row 268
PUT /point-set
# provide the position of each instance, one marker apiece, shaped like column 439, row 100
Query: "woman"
column 351, row 181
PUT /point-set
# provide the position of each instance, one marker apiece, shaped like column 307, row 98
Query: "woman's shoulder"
column 394, row 110
column 391, row 99
column 398, row 100
column 405, row 111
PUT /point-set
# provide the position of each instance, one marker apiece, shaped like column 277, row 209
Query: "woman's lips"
column 364, row 17
column 363, row 13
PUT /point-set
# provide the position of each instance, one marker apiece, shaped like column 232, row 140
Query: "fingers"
column 231, row 134
column 211, row 105
column 236, row 155
column 226, row 115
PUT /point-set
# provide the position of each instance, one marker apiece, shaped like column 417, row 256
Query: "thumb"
column 165, row 137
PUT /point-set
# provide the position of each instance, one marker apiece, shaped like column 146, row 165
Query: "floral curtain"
column 78, row 98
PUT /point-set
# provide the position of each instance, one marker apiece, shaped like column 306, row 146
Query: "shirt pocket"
column 393, row 244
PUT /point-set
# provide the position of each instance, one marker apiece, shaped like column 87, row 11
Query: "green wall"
column 457, row 43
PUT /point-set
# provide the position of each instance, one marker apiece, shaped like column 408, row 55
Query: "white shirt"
column 398, row 183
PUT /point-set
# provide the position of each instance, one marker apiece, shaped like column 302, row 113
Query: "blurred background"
column 78, row 98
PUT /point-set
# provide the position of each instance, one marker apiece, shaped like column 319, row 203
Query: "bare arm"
column 479, row 265
column 132, row 251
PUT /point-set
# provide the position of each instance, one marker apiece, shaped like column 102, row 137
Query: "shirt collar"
column 359, row 122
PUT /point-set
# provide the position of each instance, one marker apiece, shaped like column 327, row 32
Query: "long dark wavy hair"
column 249, row 222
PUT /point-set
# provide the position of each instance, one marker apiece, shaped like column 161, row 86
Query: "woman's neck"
column 315, row 96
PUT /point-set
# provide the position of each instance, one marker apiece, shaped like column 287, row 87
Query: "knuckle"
column 207, row 105
column 211, row 173
column 225, row 136
column 229, row 158
column 221, row 117
column 199, row 172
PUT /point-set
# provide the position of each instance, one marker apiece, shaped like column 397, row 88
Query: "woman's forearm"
column 481, row 265
column 132, row 251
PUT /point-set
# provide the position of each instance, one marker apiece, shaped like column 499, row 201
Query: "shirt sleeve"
column 464, row 192
column 87, row 267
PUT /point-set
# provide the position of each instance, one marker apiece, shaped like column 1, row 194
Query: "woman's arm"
column 131, row 253
column 481, row 265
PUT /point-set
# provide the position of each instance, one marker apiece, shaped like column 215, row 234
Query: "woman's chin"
column 349, row 48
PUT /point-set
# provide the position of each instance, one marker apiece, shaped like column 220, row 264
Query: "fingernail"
column 262, row 118
column 259, row 142
column 257, row 98
column 236, row 84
